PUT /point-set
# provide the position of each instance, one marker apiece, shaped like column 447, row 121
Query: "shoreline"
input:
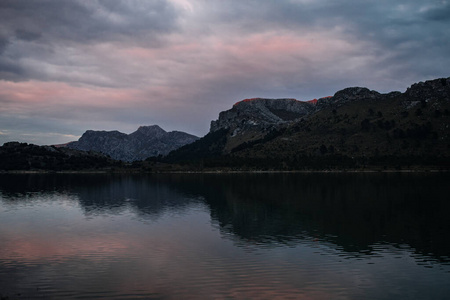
column 122, row 172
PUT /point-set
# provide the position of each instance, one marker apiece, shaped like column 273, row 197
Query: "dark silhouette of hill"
column 29, row 157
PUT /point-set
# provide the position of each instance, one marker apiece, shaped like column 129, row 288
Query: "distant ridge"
column 146, row 141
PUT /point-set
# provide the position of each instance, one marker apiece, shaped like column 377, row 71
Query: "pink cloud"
column 36, row 92
column 266, row 44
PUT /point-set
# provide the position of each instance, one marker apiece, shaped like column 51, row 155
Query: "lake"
column 225, row 236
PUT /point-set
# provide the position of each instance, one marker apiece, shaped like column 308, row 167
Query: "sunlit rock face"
column 145, row 142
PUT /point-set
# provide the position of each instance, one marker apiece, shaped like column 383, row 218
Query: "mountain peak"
column 145, row 142
column 152, row 130
column 149, row 127
column 354, row 93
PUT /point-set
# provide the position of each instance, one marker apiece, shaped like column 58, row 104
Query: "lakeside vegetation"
column 23, row 157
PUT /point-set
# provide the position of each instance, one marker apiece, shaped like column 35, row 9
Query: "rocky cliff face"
column 145, row 142
column 261, row 113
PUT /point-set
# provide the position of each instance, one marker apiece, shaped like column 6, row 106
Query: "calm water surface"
column 246, row 236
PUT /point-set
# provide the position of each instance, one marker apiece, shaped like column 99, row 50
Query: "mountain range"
column 145, row 142
column 356, row 128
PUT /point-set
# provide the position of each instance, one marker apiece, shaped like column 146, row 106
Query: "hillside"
column 355, row 128
column 15, row 156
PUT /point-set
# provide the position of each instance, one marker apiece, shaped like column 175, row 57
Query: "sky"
column 67, row 66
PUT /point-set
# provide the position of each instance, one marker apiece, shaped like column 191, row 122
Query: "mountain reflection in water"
column 348, row 215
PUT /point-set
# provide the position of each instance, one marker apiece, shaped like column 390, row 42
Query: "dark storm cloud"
column 3, row 43
column 438, row 13
column 27, row 35
column 10, row 70
column 35, row 29
column 84, row 21
column 395, row 42
column 384, row 21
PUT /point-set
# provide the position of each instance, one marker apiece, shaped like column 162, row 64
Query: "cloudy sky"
column 67, row 66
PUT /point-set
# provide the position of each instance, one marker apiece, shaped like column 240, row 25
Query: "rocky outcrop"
column 429, row 90
column 145, row 142
column 347, row 95
column 261, row 113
